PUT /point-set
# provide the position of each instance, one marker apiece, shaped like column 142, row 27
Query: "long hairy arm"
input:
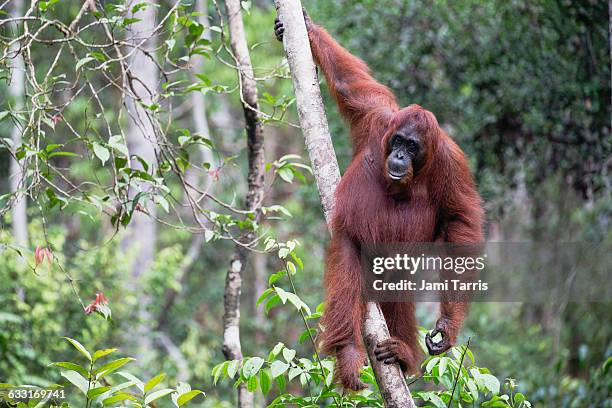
column 463, row 216
column 355, row 91
column 365, row 104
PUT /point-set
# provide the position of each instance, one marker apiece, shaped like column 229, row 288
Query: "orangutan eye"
column 413, row 146
column 396, row 140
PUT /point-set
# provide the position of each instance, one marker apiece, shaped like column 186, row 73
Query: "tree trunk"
column 141, row 236
column 248, row 94
column 16, row 90
column 311, row 113
column 194, row 175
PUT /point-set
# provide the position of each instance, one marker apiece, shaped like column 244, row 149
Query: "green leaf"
column 118, row 398
column 495, row 402
column 264, row 381
column 278, row 368
column 274, row 352
column 232, row 368
column 606, row 366
column 270, row 243
column 273, row 301
column 283, row 252
column 112, row 366
column 294, row 372
column 79, row 347
column 101, row 353
column 84, row 61
column 471, row 385
column 97, row 391
column 163, row 203
column 246, row 5
column 437, row 401
column 432, row 363
column 293, row 299
column 282, row 382
column 67, row 154
column 490, row 382
column 288, row 354
column 101, row 152
column 217, row 371
column 470, row 354
column 442, row 366
column 71, row 366
column 153, row 382
column 157, row 395
column 183, row 399
column 117, row 143
column 306, row 334
column 252, row 383
column 77, row 380
column 275, row 277
column 113, row 391
column 286, row 174
column 263, row 296
column 291, row 267
column 252, row 366
column 98, row 55
column 182, row 388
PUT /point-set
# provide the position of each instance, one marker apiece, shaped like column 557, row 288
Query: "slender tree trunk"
column 16, row 91
column 311, row 113
column 140, row 238
column 248, row 91
column 194, row 175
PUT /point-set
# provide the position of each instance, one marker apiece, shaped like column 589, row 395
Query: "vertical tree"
column 16, row 91
column 141, row 84
column 325, row 166
column 255, row 182
column 194, row 176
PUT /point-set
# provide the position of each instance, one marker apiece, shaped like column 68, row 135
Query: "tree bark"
column 610, row 41
column 16, row 91
column 254, row 131
column 311, row 113
column 141, row 235
column 390, row 379
column 194, row 175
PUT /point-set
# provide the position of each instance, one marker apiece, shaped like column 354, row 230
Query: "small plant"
column 465, row 384
column 457, row 380
column 103, row 385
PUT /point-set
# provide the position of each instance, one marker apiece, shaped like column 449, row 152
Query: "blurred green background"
column 522, row 86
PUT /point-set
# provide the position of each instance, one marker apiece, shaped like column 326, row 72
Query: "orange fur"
column 440, row 202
